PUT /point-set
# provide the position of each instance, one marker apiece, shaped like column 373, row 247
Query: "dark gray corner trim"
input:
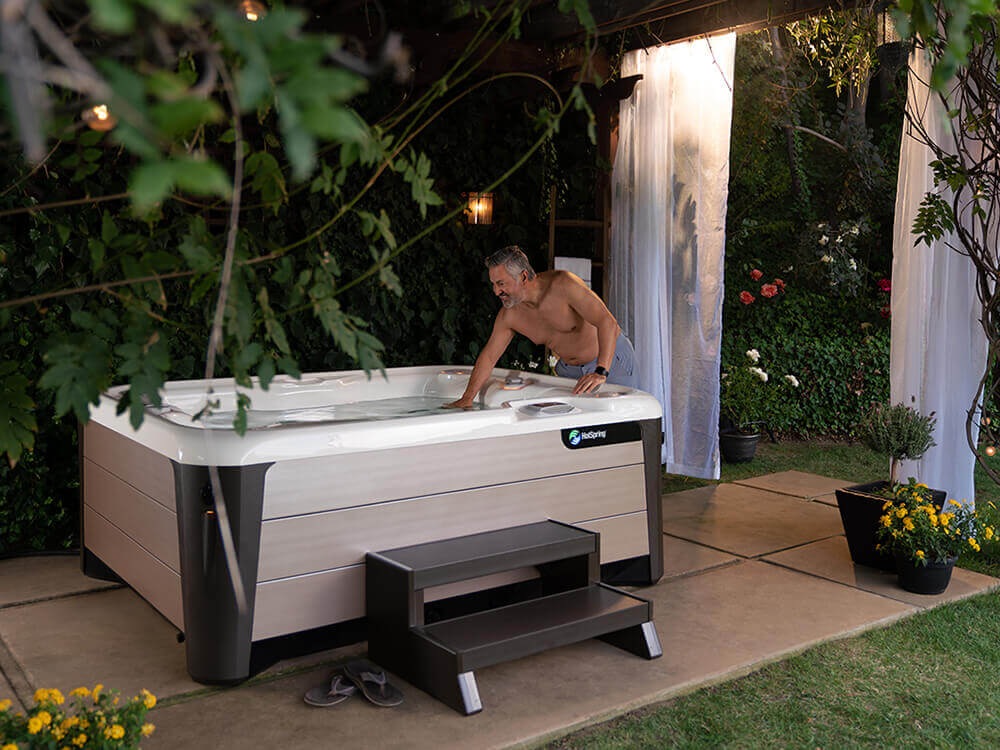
column 652, row 440
column 217, row 634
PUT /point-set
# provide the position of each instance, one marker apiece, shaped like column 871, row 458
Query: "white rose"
column 759, row 373
column 853, row 265
column 754, row 355
column 793, row 380
column 840, row 239
column 533, row 365
column 824, row 239
column 827, row 259
column 855, row 229
column 553, row 361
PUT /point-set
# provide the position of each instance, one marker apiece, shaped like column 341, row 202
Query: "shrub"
column 899, row 432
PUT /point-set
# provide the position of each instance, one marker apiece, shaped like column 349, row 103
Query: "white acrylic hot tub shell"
column 334, row 491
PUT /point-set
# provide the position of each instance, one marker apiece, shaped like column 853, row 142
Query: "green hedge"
column 842, row 365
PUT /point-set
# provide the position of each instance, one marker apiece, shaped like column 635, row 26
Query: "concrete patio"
column 756, row 570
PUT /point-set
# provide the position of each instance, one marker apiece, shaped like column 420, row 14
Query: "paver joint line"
column 16, row 675
column 708, row 546
column 67, row 595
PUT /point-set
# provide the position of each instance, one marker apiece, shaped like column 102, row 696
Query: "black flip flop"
column 337, row 691
column 371, row 681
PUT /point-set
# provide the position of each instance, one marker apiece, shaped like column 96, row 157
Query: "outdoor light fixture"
column 480, row 208
column 252, row 10
column 990, row 450
column 99, row 117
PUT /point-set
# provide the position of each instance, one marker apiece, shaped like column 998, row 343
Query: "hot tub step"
column 440, row 657
column 464, row 557
column 498, row 635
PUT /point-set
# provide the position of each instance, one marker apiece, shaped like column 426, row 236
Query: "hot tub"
column 338, row 464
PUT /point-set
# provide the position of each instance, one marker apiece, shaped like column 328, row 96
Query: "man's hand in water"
column 460, row 404
column 589, row 382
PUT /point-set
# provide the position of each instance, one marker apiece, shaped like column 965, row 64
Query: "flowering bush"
column 768, row 289
column 94, row 721
column 915, row 529
column 747, row 392
column 839, row 248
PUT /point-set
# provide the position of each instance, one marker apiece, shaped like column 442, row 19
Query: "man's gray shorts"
column 623, row 371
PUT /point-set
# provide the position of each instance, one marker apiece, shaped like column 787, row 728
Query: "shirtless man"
column 557, row 309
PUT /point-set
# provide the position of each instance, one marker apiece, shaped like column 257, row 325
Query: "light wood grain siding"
column 142, row 518
column 317, row 484
column 322, row 541
column 153, row 580
column 621, row 536
column 144, row 469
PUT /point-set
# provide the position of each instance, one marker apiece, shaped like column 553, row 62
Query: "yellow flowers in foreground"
column 94, row 719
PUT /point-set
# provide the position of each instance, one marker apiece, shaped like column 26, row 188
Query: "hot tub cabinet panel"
column 312, row 488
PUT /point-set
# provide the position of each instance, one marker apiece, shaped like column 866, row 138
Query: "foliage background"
column 826, row 329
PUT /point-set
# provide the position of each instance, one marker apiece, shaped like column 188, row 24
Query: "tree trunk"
column 782, row 59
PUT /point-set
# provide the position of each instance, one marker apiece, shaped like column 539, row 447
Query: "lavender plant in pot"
column 900, row 433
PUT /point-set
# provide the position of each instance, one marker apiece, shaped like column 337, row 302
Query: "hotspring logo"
column 576, row 437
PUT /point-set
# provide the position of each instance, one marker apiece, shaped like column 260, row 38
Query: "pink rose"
column 768, row 290
column 755, row 274
column 780, row 284
column 746, row 298
column 885, row 285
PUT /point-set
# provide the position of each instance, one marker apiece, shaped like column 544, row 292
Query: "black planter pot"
column 932, row 578
column 860, row 509
column 737, row 447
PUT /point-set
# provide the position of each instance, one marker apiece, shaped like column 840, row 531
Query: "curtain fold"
column 670, row 187
column 938, row 349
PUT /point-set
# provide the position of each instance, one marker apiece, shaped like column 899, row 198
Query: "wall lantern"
column 252, row 10
column 99, row 117
column 480, row 208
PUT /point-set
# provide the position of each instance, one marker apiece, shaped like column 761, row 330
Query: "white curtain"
column 938, row 348
column 671, row 184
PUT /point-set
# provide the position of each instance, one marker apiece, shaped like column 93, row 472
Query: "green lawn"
column 930, row 681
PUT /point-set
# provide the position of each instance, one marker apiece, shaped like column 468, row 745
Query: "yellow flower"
column 80, row 691
column 886, row 521
column 80, row 740
column 4, row 705
column 147, row 729
column 920, row 554
column 886, row 505
column 97, row 690
column 921, row 484
column 35, row 725
column 900, row 512
column 41, row 695
column 84, row 724
column 908, row 524
column 56, row 697
column 9, row 746
column 45, row 716
column 117, row 732
column 57, row 733
column 148, row 698
column 934, row 520
column 69, row 722
column 988, row 532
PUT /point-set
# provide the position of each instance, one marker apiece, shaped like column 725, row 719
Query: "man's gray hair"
column 513, row 259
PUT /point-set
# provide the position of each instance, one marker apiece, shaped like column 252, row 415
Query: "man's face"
column 509, row 289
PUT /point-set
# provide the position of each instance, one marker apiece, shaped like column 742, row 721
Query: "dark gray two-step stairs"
column 440, row 658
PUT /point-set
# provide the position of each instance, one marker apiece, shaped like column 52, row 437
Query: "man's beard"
column 509, row 301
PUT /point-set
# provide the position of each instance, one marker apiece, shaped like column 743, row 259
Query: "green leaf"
column 334, row 123
column 266, row 372
column 201, row 177
column 108, row 229
column 96, row 248
column 17, row 419
column 268, row 181
column 116, row 16
column 178, row 118
column 150, row 183
column 197, row 247
column 77, row 370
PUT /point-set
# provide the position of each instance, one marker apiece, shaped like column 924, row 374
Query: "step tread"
column 506, row 633
column 463, row 557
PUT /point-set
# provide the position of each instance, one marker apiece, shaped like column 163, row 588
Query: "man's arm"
column 594, row 311
column 485, row 362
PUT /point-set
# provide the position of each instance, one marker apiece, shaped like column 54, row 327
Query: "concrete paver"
column 35, row 578
column 796, row 483
column 111, row 637
column 831, row 559
column 681, row 557
column 712, row 625
column 830, row 499
column 7, row 691
column 746, row 521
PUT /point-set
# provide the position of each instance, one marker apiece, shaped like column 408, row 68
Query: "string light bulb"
column 99, row 117
column 990, row 450
column 252, row 10
column 479, row 209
